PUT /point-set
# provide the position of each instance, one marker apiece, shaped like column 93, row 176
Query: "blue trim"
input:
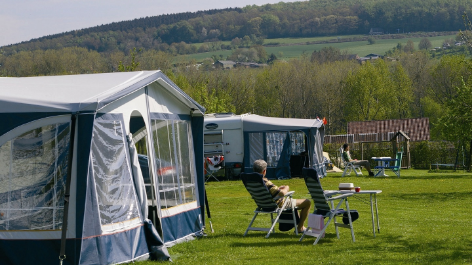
column 84, row 140
column 12, row 120
column 114, row 248
column 170, row 116
column 110, row 117
column 14, row 252
column 197, row 135
column 181, row 225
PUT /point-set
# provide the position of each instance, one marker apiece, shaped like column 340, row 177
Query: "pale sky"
column 22, row 20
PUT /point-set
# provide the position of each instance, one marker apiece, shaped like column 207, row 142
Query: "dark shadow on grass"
column 283, row 239
column 406, row 177
column 429, row 252
column 442, row 176
column 436, row 196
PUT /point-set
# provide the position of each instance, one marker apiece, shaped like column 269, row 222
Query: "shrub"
column 422, row 154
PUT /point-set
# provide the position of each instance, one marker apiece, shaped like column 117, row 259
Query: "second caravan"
column 286, row 144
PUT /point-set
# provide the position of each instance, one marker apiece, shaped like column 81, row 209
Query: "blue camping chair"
column 398, row 164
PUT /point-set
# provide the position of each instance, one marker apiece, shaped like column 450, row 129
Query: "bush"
column 422, row 154
column 425, row 153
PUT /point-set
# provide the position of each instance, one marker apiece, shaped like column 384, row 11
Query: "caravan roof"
column 73, row 93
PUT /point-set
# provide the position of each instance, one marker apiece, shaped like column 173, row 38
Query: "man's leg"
column 304, row 205
column 365, row 164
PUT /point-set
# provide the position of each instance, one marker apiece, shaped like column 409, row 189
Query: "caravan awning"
column 252, row 123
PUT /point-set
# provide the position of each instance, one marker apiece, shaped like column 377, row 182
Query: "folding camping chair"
column 265, row 203
column 212, row 165
column 322, row 207
column 349, row 166
column 398, row 164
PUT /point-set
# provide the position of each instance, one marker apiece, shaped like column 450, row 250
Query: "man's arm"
column 283, row 190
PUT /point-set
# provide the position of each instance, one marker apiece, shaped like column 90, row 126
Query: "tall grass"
column 424, row 217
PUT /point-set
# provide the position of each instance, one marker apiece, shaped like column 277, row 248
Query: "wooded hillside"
column 297, row 19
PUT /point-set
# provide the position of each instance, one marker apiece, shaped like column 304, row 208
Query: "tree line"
column 297, row 19
column 409, row 84
column 324, row 84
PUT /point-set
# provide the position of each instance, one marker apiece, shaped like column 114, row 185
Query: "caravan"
column 286, row 144
column 71, row 185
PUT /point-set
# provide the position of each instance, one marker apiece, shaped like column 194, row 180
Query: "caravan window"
column 33, row 172
column 116, row 196
column 174, row 162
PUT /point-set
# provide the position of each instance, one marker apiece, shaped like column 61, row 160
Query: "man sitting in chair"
column 260, row 166
column 364, row 163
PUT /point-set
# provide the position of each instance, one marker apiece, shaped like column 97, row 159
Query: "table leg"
column 377, row 213
column 372, row 212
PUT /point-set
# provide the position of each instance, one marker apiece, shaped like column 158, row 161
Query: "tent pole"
column 208, row 212
column 62, row 255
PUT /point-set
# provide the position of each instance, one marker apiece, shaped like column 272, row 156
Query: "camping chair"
column 398, row 163
column 212, row 165
column 349, row 166
column 265, row 203
column 322, row 207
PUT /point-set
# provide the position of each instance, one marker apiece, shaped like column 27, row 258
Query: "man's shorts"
column 292, row 203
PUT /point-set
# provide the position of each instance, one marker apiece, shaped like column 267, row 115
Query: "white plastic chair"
column 349, row 166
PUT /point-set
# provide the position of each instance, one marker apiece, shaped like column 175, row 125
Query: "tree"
column 457, row 121
column 403, row 93
column 466, row 35
column 272, row 58
column 409, row 47
column 425, row 44
column 371, row 40
column 133, row 64
column 327, row 54
column 370, row 93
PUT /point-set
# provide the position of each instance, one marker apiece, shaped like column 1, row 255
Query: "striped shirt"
column 274, row 191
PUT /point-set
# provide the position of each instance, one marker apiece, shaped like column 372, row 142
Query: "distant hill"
column 173, row 32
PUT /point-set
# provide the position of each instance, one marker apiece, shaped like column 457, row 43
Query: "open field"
column 360, row 48
column 424, row 219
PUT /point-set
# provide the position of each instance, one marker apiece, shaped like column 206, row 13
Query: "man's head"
column 345, row 147
column 260, row 166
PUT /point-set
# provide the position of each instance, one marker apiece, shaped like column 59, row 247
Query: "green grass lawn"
column 424, row 219
column 360, row 48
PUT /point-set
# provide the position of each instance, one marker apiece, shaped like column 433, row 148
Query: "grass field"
column 360, row 48
column 424, row 219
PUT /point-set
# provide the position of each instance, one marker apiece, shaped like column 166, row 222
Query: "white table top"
column 334, row 192
column 383, row 158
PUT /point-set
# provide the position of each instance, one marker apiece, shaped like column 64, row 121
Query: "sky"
column 23, row 20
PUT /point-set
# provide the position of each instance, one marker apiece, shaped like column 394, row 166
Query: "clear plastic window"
column 187, row 187
column 174, row 162
column 113, row 179
column 256, row 147
column 33, row 173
